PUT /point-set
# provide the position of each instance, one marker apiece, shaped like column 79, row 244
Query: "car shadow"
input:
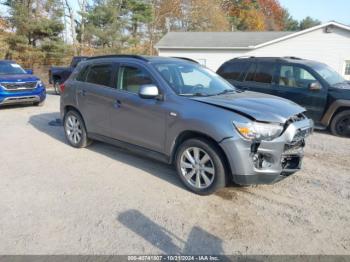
column 199, row 241
column 49, row 124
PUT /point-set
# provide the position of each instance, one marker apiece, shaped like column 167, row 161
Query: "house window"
column 347, row 68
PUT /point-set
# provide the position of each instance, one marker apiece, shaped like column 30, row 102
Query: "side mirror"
column 29, row 71
column 315, row 86
column 148, row 91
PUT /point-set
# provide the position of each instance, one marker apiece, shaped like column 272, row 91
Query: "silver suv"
column 178, row 112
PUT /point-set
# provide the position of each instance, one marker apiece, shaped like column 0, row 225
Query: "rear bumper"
column 267, row 162
column 32, row 96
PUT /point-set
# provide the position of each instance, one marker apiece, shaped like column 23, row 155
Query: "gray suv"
column 178, row 112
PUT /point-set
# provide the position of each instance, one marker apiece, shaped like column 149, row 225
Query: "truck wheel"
column 200, row 165
column 56, row 87
column 75, row 131
column 340, row 125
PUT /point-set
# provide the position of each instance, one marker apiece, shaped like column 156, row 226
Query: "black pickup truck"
column 57, row 75
column 317, row 87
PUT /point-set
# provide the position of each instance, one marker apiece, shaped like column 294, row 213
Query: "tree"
column 104, row 24
column 289, row 23
column 38, row 27
column 308, row 22
column 199, row 19
column 138, row 13
column 273, row 14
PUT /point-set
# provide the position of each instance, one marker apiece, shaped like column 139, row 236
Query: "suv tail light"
column 62, row 87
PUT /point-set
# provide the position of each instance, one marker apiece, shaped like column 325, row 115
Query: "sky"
column 323, row 10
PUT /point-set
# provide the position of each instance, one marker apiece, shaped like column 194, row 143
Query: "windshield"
column 193, row 80
column 11, row 69
column 328, row 74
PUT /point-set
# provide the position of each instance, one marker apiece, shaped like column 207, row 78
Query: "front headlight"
column 259, row 131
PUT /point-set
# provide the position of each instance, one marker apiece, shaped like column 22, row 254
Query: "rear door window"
column 233, row 70
column 100, row 75
column 264, row 72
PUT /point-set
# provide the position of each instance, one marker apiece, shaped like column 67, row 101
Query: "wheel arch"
column 335, row 108
column 189, row 134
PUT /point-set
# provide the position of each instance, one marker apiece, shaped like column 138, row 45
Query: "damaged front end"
column 268, row 154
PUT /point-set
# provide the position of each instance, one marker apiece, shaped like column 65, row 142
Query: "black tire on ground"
column 220, row 178
column 340, row 125
column 84, row 141
column 42, row 103
column 56, row 87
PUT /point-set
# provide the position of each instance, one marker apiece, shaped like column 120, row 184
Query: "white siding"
column 330, row 48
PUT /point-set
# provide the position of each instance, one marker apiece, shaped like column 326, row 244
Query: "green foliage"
column 308, row 22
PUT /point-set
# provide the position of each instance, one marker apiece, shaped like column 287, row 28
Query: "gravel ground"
column 55, row 199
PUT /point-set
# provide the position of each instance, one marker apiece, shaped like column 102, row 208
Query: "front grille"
column 19, row 86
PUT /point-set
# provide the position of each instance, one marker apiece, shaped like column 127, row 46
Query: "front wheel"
column 200, row 165
column 75, row 131
column 340, row 125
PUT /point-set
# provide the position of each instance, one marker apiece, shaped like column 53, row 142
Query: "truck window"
column 233, row 70
column 100, row 75
column 261, row 72
column 295, row 76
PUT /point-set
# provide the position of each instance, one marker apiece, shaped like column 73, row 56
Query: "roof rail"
column 242, row 57
column 186, row 58
column 293, row 57
column 118, row 56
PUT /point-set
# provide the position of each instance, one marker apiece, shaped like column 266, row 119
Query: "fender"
column 327, row 117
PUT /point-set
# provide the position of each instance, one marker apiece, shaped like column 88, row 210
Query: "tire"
column 75, row 130
column 42, row 103
column 213, row 167
column 340, row 125
column 56, row 87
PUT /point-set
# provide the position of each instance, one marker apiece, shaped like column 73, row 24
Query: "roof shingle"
column 217, row 39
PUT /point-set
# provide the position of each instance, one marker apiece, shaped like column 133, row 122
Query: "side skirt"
column 138, row 150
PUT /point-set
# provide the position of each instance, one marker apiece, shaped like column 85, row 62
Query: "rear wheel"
column 200, row 165
column 340, row 125
column 56, row 87
column 75, row 130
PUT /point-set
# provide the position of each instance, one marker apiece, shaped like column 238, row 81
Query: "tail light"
column 62, row 87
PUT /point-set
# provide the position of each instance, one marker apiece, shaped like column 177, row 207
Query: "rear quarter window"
column 233, row 70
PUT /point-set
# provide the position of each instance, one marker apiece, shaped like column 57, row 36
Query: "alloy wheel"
column 197, row 167
column 73, row 129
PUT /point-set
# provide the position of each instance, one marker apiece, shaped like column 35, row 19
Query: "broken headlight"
column 259, row 131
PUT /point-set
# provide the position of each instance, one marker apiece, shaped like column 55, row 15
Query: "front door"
column 134, row 119
column 294, row 84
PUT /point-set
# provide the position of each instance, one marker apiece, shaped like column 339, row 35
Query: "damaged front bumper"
column 267, row 162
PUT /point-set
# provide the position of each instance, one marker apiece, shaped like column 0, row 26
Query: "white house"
column 328, row 43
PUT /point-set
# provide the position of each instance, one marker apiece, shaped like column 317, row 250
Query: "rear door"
column 293, row 84
column 261, row 77
column 95, row 96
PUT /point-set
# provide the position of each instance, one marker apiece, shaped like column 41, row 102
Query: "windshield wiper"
column 194, row 94
column 226, row 91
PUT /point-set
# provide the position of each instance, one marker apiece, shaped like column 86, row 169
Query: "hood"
column 344, row 85
column 260, row 107
column 18, row 78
